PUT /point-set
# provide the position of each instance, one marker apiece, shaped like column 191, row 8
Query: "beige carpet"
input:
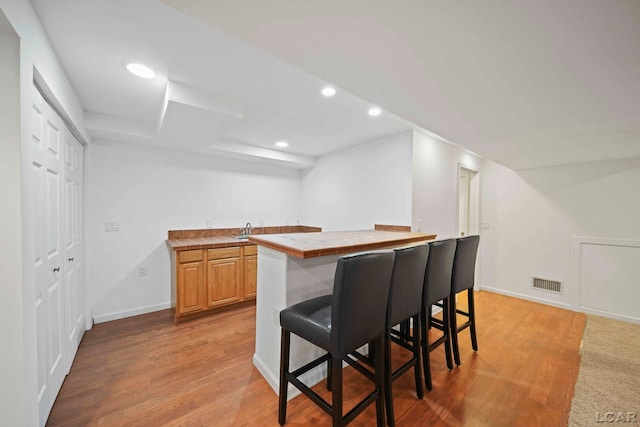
column 608, row 386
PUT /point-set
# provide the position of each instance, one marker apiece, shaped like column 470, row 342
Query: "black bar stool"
column 463, row 278
column 340, row 323
column 437, row 287
column 405, row 305
column 405, row 302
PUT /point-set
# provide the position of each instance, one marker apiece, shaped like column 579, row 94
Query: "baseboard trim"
column 265, row 372
column 527, row 297
column 608, row 314
column 101, row 318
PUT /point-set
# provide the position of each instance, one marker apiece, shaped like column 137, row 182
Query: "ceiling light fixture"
column 375, row 111
column 141, row 70
column 328, row 91
column 282, row 144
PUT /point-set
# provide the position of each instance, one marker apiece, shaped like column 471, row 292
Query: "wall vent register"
column 547, row 285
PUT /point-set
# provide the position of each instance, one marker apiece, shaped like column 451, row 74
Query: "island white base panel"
column 284, row 280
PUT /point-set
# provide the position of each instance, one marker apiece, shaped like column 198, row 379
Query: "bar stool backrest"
column 437, row 279
column 360, row 295
column 464, row 265
column 405, row 296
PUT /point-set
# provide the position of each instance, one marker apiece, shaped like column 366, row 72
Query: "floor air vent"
column 547, row 285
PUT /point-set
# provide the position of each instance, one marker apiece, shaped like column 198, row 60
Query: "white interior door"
column 73, row 246
column 468, row 201
column 463, row 201
column 46, row 156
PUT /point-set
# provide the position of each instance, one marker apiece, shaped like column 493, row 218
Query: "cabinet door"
column 250, row 276
column 190, row 288
column 223, row 281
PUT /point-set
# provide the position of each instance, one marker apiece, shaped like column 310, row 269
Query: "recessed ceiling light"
column 375, row 111
column 141, row 70
column 282, row 144
column 328, row 91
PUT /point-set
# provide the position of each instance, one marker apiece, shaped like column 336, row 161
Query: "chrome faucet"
column 247, row 230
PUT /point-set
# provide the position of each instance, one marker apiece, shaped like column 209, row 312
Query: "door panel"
column 250, row 276
column 56, row 190
column 49, row 270
column 73, row 249
column 223, row 281
column 191, row 279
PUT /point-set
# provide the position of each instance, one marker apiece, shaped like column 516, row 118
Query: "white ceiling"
column 213, row 93
column 525, row 83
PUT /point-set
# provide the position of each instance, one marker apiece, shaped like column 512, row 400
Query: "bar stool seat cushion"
column 310, row 320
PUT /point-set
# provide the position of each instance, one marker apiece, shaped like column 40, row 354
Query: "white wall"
column 360, row 186
column 150, row 191
column 12, row 353
column 435, row 184
column 35, row 51
column 534, row 214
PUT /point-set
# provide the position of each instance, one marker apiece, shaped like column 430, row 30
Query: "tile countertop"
column 205, row 243
column 181, row 240
column 309, row 245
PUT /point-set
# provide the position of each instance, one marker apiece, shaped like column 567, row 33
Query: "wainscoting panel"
column 605, row 277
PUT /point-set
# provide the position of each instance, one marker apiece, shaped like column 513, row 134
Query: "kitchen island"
column 298, row 266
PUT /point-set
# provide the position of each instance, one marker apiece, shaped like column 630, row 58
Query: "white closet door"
column 73, row 246
column 46, row 156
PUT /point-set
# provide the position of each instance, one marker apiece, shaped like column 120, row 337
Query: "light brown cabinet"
column 223, row 276
column 250, row 261
column 209, row 279
column 190, row 293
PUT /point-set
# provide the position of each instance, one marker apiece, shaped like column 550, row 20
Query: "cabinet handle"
column 70, row 259
column 56, row 269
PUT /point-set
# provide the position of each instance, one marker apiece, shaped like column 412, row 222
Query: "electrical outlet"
column 486, row 226
column 111, row 226
column 419, row 228
column 142, row 270
column 209, row 223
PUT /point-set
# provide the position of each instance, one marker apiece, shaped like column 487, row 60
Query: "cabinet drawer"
column 223, row 253
column 190, row 256
column 251, row 250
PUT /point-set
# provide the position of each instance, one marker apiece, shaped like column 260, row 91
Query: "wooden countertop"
column 210, row 238
column 205, row 243
column 309, row 245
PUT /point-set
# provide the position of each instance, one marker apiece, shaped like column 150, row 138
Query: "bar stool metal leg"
column 336, row 392
column 416, row 350
column 285, row 345
column 425, row 350
column 454, row 331
column 447, row 332
column 388, row 389
column 472, row 318
column 379, row 380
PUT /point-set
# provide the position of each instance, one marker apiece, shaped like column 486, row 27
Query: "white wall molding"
column 603, row 274
column 128, row 313
column 524, row 296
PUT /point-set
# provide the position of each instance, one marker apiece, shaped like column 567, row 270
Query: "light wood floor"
column 147, row 371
